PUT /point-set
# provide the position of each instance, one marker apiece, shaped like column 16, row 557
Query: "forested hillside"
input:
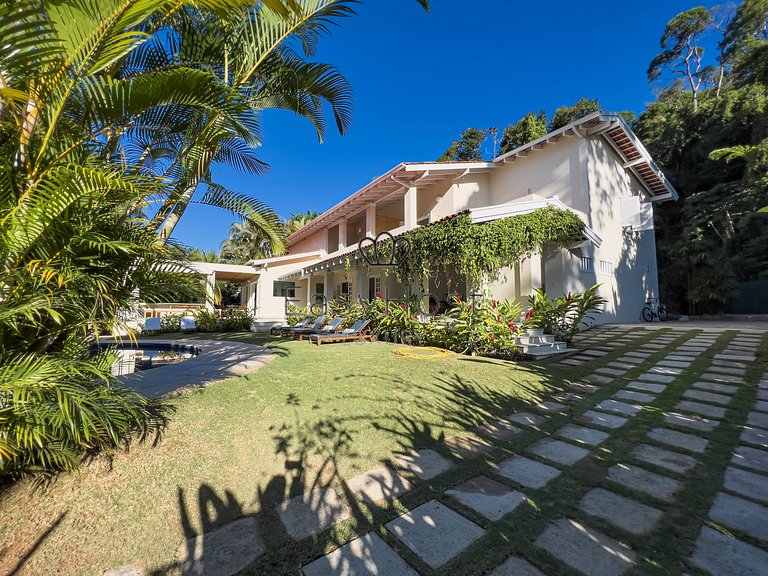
column 708, row 130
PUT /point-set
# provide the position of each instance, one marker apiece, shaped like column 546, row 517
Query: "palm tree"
column 247, row 242
column 297, row 221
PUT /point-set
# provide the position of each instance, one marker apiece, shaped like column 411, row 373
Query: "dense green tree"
column 528, row 128
column 468, row 147
column 714, row 152
column 567, row 114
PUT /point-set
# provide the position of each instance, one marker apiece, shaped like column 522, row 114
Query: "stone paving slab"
column 647, row 387
column 665, row 370
column 516, row 566
column 492, row 499
column 660, row 378
column 762, row 394
column 594, row 353
column 312, row 513
column 499, row 430
column 682, row 358
column 691, row 421
column 627, row 514
column 598, row 379
column 571, row 362
column 740, row 514
column 679, row 439
column 128, row 570
column 222, row 552
column 527, row 419
column 674, row 363
column 378, row 485
column 751, row 458
column 645, row 481
column 625, row 361
column 746, row 483
column 724, row 378
column 364, row 556
column 610, row 371
column 762, row 406
column 434, row 532
column 605, row 420
column 757, row 419
column 727, row 370
column 620, row 407
column 584, row 549
column 710, row 397
column 635, row 396
column 582, row 387
column 672, row 461
column 716, row 387
column 426, row 464
column 569, row 397
column 719, row 554
column 549, row 406
column 736, row 357
column 702, row 409
column 527, row 472
column 729, row 364
column 557, row 451
column 755, row 436
column 466, row 446
column 641, row 355
column 582, row 434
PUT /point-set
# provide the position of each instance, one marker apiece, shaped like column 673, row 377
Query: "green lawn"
column 243, row 444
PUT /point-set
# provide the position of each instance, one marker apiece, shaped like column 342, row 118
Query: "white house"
column 595, row 167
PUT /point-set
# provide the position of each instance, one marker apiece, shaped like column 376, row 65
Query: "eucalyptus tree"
column 682, row 53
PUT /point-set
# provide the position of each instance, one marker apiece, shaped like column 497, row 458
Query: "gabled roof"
column 635, row 157
column 389, row 188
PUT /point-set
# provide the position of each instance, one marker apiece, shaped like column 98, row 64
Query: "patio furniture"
column 152, row 325
column 316, row 325
column 356, row 332
column 304, row 323
column 332, row 327
column 187, row 324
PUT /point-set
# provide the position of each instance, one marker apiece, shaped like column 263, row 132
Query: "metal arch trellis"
column 369, row 249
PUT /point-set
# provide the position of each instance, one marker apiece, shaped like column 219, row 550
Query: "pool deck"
column 218, row 360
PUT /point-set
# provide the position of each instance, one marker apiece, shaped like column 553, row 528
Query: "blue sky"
column 420, row 79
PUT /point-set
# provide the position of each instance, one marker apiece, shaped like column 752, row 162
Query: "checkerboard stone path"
column 638, row 487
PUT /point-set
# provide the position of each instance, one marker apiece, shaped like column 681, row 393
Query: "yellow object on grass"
column 422, row 352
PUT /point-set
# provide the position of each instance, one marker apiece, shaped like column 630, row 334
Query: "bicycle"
column 654, row 309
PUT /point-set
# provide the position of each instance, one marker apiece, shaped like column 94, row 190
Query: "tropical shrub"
column 483, row 327
column 563, row 317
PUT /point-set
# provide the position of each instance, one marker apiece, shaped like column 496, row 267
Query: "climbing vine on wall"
column 481, row 251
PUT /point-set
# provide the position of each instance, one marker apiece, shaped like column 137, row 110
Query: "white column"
column 309, row 291
column 327, row 288
column 410, row 207
column 360, row 281
column 342, row 234
column 370, row 221
column 252, row 288
column 537, row 271
column 210, row 291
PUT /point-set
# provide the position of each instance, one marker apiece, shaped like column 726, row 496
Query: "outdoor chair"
column 304, row 323
column 316, row 325
column 187, row 324
column 151, row 326
column 332, row 327
column 358, row 331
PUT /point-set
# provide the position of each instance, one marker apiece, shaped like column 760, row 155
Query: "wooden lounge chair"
column 316, row 325
column 301, row 324
column 357, row 332
column 333, row 327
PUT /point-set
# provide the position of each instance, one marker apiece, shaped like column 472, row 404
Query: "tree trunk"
column 170, row 213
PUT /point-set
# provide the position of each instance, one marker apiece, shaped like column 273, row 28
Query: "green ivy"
column 481, row 251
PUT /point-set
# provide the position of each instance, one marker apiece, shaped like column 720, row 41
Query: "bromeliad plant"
column 565, row 316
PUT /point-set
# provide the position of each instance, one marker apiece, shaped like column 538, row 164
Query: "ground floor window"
column 284, row 289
